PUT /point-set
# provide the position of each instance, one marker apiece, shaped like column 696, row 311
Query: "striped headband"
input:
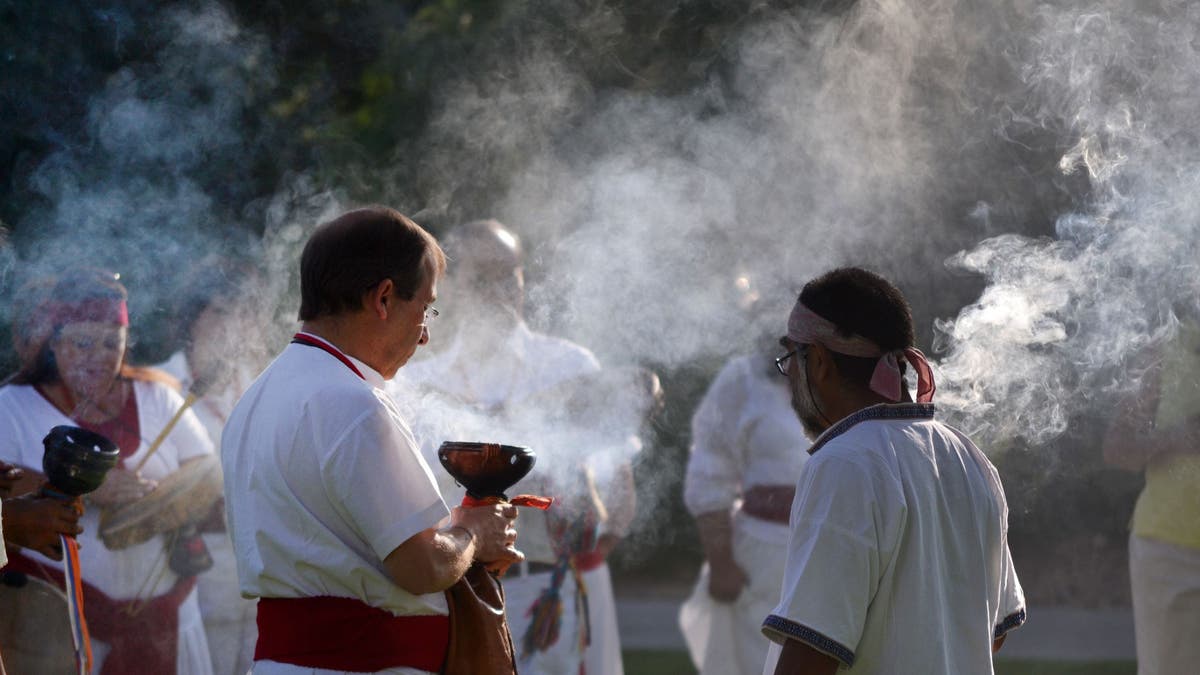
column 806, row 327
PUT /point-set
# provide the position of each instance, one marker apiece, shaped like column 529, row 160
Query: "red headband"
column 100, row 310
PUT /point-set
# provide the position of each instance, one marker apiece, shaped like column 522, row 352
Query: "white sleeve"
column 1010, row 612
column 714, row 470
column 834, row 562
column 380, row 484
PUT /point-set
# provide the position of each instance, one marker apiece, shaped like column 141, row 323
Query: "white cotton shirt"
column 898, row 561
column 744, row 433
column 140, row 570
column 322, row 481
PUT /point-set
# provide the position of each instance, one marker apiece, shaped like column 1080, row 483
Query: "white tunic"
column 744, row 433
column 141, row 570
column 3, row 553
column 229, row 619
column 898, row 560
column 524, row 365
column 322, row 481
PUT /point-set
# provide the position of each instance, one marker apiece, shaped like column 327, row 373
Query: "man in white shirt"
column 746, row 457
column 337, row 523
column 898, row 560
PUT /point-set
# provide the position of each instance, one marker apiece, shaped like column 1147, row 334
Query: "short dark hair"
column 859, row 302
column 355, row 252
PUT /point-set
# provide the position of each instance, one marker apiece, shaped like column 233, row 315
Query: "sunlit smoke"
column 1061, row 319
column 142, row 193
column 894, row 134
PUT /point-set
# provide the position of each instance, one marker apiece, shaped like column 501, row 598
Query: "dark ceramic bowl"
column 77, row 460
column 486, row 469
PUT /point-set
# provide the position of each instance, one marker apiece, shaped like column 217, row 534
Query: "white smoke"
column 1062, row 317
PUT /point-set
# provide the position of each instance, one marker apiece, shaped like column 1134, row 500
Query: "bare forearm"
column 431, row 561
column 624, row 504
column 716, row 535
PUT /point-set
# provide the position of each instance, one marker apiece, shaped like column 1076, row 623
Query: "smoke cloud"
column 1024, row 170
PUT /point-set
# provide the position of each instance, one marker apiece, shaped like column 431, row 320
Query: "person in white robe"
column 746, row 454
column 512, row 385
column 217, row 365
column 142, row 614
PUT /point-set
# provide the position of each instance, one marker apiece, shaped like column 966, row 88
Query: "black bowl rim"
column 477, row 446
column 108, row 448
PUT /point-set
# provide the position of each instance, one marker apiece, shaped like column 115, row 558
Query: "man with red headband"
column 898, row 560
column 337, row 523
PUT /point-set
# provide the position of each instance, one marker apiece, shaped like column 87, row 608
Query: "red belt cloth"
column 348, row 634
column 769, row 502
column 142, row 635
column 586, row 562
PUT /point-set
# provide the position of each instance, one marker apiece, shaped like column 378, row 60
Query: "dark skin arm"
column 799, row 658
column 726, row 578
column 35, row 522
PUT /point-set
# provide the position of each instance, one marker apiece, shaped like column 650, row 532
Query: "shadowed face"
column 802, row 401
column 89, row 356
column 407, row 322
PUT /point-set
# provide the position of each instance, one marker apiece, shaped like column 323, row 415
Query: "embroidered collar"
column 883, row 411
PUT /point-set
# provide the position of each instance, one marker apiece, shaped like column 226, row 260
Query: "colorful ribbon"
column 74, row 591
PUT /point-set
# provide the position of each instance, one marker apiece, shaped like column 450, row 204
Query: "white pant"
column 229, row 619
column 726, row 638
column 1165, row 579
column 603, row 655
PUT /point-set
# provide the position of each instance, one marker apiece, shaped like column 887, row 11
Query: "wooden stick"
column 162, row 435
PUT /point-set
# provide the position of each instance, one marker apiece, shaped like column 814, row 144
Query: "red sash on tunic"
column 348, row 634
column 143, row 634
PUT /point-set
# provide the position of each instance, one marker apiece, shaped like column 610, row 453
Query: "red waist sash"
column 348, row 634
column 588, row 561
column 143, row 635
column 769, row 502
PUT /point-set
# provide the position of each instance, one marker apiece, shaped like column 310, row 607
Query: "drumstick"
column 162, row 435
column 198, row 389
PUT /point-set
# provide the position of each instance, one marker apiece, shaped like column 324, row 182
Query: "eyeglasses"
column 431, row 313
column 781, row 362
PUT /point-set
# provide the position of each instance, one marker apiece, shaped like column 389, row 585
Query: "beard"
column 805, row 407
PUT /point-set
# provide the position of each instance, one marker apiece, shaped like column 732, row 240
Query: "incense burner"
column 486, row 469
column 77, row 460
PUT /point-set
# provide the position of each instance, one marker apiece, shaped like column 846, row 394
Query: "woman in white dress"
column 143, row 616
column 747, row 451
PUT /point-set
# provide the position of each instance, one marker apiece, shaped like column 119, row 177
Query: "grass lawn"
column 654, row 662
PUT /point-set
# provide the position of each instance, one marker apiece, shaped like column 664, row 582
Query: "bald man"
column 521, row 382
